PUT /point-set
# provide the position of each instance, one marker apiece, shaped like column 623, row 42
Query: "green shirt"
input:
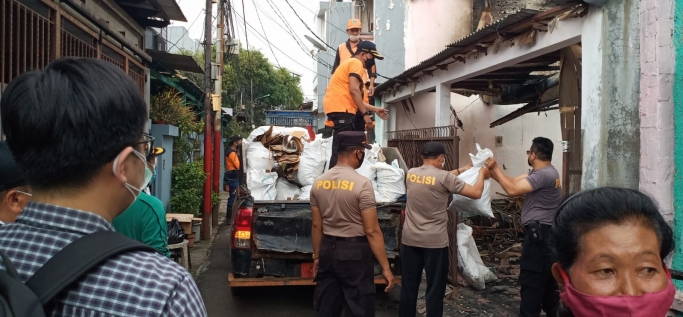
column 145, row 221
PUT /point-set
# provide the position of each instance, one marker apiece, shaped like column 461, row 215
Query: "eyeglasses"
column 147, row 144
column 529, row 152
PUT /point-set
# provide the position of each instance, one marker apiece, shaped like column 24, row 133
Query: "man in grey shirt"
column 543, row 197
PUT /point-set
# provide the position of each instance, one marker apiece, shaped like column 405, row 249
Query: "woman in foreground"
column 610, row 244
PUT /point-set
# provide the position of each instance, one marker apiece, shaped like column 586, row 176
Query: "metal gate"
column 410, row 143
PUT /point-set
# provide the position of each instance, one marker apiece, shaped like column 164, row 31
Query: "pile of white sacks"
column 387, row 179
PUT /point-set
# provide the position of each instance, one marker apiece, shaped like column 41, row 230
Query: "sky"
column 285, row 51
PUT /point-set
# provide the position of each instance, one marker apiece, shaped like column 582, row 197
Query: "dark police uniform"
column 539, row 289
column 345, row 278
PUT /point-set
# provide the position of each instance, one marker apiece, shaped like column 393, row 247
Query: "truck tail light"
column 241, row 229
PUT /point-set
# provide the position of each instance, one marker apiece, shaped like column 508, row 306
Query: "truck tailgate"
column 285, row 227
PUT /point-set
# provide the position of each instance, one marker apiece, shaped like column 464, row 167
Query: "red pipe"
column 208, row 156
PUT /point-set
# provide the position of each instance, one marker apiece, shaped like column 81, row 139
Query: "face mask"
column 443, row 164
column 354, row 38
column 646, row 305
column 148, row 177
column 135, row 191
column 529, row 160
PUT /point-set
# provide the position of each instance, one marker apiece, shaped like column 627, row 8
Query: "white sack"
column 390, row 182
column 262, row 184
column 471, row 207
column 475, row 273
column 277, row 130
column 311, row 163
column 368, row 169
column 306, row 192
column 286, row 190
column 327, row 147
column 258, row 156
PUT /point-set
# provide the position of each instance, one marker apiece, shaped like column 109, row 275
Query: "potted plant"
column 186, row 190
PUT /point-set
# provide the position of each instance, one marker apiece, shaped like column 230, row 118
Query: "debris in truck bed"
column 286, row 151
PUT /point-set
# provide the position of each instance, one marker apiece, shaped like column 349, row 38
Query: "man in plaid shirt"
column 76, row 131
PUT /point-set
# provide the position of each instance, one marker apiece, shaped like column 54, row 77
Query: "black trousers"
column 345, row 278
column 342, row 122
column 435, row 263
column 539, row 289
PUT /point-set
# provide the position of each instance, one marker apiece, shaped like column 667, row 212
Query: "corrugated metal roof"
column 458, row 46
column 175, row 61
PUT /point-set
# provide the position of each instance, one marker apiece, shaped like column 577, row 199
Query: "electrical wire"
column 280, row 15
column 265, row 33
column 468, row 105
column 309, row 29
column 277, row 48
column 300, row 44
column 186, row 31
column 246, row 37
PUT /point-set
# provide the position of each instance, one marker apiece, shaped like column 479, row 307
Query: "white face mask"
column 354, row 38
column 443, row 164
column 135, row 191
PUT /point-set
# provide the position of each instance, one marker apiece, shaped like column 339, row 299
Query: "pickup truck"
column 271, row 240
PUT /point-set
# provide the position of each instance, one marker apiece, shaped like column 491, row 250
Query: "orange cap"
column 353, row 24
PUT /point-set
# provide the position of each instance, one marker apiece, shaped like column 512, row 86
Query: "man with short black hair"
column 14, row 193
column 76, row 131
column 543, row 192
column 145, row 220
column 425, row 232
column 346, row 235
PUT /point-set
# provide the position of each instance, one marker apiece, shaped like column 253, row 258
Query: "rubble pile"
column 498, row 239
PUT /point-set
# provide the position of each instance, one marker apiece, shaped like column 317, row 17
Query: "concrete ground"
column 211, row 266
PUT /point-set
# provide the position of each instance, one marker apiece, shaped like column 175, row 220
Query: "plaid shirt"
column 131, row 284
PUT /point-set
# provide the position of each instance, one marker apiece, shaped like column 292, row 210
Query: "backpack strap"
column 77, row 259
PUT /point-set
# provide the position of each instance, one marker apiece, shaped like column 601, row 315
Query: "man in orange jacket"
column 346, row 51
column 345, row 92
column 232, row 173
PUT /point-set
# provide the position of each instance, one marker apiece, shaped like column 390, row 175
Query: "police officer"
column 425, row 232
column 543, row 197
column 346, row 234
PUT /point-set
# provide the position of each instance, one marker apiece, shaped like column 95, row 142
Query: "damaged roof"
column 479, row 42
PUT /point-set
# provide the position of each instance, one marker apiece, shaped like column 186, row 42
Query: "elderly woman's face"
column 618, row 260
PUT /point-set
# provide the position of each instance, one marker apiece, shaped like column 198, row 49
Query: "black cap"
column 234, row 139
column 369, row 47
column 10, row 176
column 433, row 149
column 351, row 138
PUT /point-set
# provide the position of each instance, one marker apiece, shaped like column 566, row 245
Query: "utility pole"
column 206, row 213
column 217, row 135
column 251, row 116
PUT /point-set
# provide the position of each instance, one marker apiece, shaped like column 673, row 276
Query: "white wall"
column 517, row 134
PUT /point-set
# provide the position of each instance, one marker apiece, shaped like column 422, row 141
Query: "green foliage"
column 215, row 199
column 187, row 186
column 250, row 75
column 235, row 127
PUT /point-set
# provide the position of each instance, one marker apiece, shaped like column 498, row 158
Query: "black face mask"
column 361, row 159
